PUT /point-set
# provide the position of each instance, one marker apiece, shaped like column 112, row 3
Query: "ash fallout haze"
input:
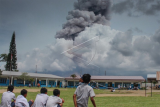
column 121, row 37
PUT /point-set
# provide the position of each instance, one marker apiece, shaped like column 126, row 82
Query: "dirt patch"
column 105, row 95
column 128, row 93
column 29, row 90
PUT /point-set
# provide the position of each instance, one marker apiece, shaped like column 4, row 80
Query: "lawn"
column 67, row 94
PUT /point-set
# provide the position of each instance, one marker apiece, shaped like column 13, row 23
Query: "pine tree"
column 12, row 55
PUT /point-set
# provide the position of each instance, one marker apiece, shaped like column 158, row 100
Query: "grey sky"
column 36, row 23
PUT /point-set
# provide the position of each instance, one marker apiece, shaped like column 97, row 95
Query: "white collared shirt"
column 53, row 101
column 83, row 92
column 7, row 98
column 41, row 100
column 21, row 101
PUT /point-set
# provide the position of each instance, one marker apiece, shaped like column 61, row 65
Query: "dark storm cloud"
column 137, row 7
column 156, row 37
column 149, row 46
column 122, row 7
column 122, row 43
column 86, row 13
column 138, row 30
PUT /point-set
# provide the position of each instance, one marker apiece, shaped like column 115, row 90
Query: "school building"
column 151, row 78
column 105, row 82
column 45, row 80
column 49, row 80
column 154, row 77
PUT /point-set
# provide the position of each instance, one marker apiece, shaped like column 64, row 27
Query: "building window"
column 70, row 83
column 126, row 84
column 19, row 81
column 135, row 84
column 3, row 80
column 76, row 83
column 43, row 82
column 118, row 83
column 51, row 82
column 93, row 84
column 101, row 84
column 26, row 82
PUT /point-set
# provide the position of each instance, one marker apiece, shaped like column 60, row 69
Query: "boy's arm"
column 62, row 100
column 14, row 98
column 93, row 102
column 74, row 100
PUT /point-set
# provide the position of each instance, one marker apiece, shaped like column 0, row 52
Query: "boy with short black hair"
column 21, row 100
column 7, row 97
column 83, row 92
column 41, row 99
column 55, row 101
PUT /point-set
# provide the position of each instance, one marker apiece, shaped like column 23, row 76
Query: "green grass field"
column 67, row 94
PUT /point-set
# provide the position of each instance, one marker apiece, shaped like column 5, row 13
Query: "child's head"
column 24, row 92
column 10, row 88
column 56, row 92
column 86, row 78
column 43, row 90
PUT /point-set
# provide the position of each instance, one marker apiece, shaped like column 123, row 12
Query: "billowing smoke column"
column 86, row 13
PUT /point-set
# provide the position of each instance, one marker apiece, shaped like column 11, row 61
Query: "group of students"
column 80, row 97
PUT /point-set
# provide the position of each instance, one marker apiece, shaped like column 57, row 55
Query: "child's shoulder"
column 88, row 87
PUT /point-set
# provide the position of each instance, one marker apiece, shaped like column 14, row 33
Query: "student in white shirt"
column 119, row 86
column 130, row 87
column 21, row 100
column 83, row 92
column 41, row 99
column 55, row 101
column 7, row 97
column 29, row 84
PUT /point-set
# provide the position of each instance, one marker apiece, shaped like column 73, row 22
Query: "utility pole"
column 145, row 87
column 36, row 68
column 11, row 61
column 151, row 88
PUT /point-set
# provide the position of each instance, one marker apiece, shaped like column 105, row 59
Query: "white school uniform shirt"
column 41, row 100
column 7, row 98
column 119, row 86
column 83, row 92
column 53, row 101
column 21, row 101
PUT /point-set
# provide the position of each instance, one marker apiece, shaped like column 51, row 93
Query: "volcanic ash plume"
column 86, row 13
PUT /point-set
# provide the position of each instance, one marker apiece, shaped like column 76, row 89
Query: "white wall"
column 147, row 84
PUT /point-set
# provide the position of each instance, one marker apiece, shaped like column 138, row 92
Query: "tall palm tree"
column 73, row 76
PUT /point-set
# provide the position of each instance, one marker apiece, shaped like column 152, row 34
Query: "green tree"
column 31, row 80
column 73, row 76
column 12, row 55
column 3, row 57
column 0, row 72
column 154, row 82
column 24, row 77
